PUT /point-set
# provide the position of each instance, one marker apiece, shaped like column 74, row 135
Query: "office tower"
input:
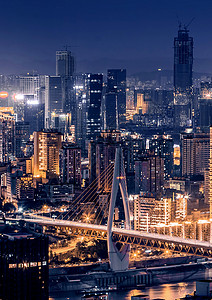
column 7, row 125
column 65, row 68
column 150, row 212
column 205, row 106
column 142, row 105
column 164, row 147
column 25, row 188
column 13, row 173
column 179, row 207
column 82, row 100
column 183, row 60
column 94, row 106
column 21, row 137
column 23, row 266
column 29, row 85
column 195, row 153
column 115, row 100
column 53, row 98
column 183, row 71
column 149, row 175
column 130, row 97
column 65, row 63
column 71, row 164
column 206, row 185
column 34, row 114
column 46, row 153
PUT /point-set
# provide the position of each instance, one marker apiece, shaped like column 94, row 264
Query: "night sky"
column 136, row 34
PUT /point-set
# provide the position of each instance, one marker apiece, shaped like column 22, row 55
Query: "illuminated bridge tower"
column 119, row 259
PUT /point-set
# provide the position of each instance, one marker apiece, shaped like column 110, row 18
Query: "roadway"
column 148, row 240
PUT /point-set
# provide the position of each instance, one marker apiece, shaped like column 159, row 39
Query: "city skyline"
column 102, row 35
column 105, row 149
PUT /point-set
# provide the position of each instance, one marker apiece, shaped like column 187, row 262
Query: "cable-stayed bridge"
column 92, row 214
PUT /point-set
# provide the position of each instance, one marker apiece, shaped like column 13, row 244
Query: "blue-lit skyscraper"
column 115, row 100
column 94, row 106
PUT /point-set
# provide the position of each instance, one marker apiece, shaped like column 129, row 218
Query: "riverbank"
column 65, row 280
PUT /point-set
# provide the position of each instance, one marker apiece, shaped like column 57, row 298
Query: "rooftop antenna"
column 66, row 47
column 189, row 23
column 179, row 22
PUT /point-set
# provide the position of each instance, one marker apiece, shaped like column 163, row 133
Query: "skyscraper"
column 183, row 70
column 82, row 97
column 65, row 64
column 34, row 116
column 183, row 60
column 29, row 85
column 205, row 106
column 210, row 174
column 94, row 106
column 71, row 164
column 195, row 153
column 149, row 175
column 46, row 154
column 65, row 68
column 53, row 98
column 115, row 101
column 21, row 137
column 7, row 125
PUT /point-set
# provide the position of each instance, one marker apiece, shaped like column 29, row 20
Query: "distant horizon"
column 115, row 65
column 136, row 35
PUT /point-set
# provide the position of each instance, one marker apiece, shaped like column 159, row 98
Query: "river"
column 170, row 291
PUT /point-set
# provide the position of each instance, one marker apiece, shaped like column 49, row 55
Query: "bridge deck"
column 151, row 240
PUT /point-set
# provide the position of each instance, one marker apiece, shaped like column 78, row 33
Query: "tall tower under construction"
column 183, row 60
column 183, row 71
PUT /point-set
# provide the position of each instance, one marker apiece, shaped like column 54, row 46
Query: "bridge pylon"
column 119, row 259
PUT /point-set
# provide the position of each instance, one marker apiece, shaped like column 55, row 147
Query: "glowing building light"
column 3, row 95
column 18, row 97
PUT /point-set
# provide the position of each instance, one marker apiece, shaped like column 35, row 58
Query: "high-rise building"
column 183, row 60
column 210, row 174
column 82, row 100
column 71, row 164
column 34, row 114
column 149, row 175
column 205, row 106
column 115, row 100
column 183, row 70
column 25, row 188
column 7, row 127
column 101, row 154
column 65, row 63
column 29, row 85
column 164, row 146
column 149, row 212
column 23, row 266
column 94, row 106
column 142, row 104
column 195, row 153
column 46, row 154
column 65, row 68
column 53, row 98
column 21, row 138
